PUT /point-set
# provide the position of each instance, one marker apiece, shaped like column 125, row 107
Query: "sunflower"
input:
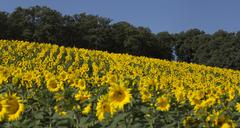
column 81, row 84
column 145, row 94
column 119, row 96
column 82, row 96
column 103, row 107
column 63, row 76
column 195, row 99
column 3, row 110
column 59, row 110
column 58, row 96
column 3, row 78
column 53, row 85
column 163, row 103
column 189, row 122
column 87, row 109
column 226, row 125
column 238, row 107
column 14, row 107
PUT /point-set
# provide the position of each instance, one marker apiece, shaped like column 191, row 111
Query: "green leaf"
column 83, row 120
column 119, row 117
column 63, row 123
column 144, row 109
column 38, row 115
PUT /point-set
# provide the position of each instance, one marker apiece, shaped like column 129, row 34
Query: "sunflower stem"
column 125, row 120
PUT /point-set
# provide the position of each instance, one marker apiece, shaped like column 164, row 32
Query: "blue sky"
column 158, row 15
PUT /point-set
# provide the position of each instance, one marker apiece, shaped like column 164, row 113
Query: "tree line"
column 43, row 24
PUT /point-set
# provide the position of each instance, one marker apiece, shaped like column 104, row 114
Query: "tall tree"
column 187, row 43
column 222, row 51
column 3, row 25
column 166, row 42
column 48, row 24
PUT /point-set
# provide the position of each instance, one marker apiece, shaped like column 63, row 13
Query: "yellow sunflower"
column 3, row 110
column 82, row 96
column 14, row 107
column 238, row 107
column 226, row 125
column 53, row 85
column 103, row 107
column 87, row 109
column 163, row 103
column 3, row 78
column 119, row 96
column 145, row 94
column 63, row 76
column 59, row 110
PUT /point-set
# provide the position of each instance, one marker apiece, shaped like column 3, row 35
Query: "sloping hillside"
column 48, row 85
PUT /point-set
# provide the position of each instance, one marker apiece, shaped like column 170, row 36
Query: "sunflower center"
column 146, row 93
column 106, row 107
column 119, row 95
column 29, row 76
column 53, row 84
column 162, row 103
column 13, row 106
column 63, row 76
column 196, row 101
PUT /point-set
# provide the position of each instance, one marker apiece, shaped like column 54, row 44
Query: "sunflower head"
column 82, row 96
column 3, row 110
column 14, row 107
column 226, row 125
column 3, row 76
column 53, row 85
column 145, row 94
column 119, row 96
column 87, row 109
column 163, row 103
column 103, row 107
column 237, row 107
column 63, row 76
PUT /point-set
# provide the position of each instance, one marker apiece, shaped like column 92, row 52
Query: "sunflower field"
column 44, row 85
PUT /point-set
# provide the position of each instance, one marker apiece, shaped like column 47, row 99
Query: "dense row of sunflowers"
column 44, row 85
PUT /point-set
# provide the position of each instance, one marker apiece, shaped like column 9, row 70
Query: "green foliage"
column 221, row 49
column 3, row 24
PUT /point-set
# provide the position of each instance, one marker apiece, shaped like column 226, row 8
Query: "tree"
column 48, row 24
column 3, row 25
column 166, row 42
column 222, row 50
column 187, row 44
column 121, row 34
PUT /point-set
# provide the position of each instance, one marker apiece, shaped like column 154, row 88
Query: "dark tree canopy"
column 221, row 49
column 3, row 24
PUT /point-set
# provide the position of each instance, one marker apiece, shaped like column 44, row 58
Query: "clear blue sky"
column 158, row 15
